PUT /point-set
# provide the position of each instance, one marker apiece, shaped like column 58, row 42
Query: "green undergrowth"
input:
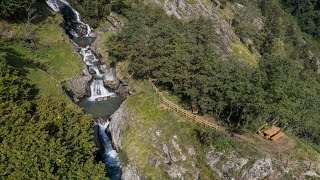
column 149, row 116
column 103, row 50
column 243, row 52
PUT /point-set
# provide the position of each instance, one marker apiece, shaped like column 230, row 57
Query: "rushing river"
column 102, row 102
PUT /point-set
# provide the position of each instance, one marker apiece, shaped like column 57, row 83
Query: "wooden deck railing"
column 186, row 113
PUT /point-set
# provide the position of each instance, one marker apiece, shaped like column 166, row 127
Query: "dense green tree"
column 16, row 9
column 43, row 138
column 307, row 13
column 183, row 57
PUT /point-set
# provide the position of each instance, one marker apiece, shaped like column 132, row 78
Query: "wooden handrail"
column 186, row 113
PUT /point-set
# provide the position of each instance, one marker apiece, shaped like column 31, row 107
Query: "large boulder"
column 78, row 87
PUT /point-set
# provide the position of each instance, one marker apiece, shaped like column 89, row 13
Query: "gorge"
column 102, row 101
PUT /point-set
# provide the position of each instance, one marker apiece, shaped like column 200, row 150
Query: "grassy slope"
column 147, row 112
column 52, row 61
column 148, row 115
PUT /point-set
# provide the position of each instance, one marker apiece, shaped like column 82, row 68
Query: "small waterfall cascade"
column 91, row 61
column 98, row 90
column 110, row 155
column 64, row 7
column 74, row 27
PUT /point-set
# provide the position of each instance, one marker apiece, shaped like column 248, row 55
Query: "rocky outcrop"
column 175, row 159
column 117, row 120
column 181, row 9
column 212, row 160
column 260, row 169
column 130, row 172
column 78, row 87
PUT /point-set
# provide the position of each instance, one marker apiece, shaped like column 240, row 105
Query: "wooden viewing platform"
column 186, row 113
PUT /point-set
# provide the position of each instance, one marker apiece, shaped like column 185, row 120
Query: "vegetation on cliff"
column 182, row 57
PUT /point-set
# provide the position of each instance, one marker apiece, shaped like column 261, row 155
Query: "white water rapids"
column 56, row 5
column 110, row 154
column 98, row 90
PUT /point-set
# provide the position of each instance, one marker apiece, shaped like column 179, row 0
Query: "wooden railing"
column 186, row 113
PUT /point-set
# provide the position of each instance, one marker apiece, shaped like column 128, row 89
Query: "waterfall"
column 72, row 22
column 98, row 90
column 110, row 156
column 57, row 6
column 91, row 60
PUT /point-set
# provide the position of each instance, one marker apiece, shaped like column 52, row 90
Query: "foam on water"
column 98, row 90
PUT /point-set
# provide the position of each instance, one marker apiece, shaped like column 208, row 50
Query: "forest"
column 183, row 57
column 46, row 134
column 53, row 137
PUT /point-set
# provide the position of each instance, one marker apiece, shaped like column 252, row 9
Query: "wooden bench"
column 272, row 131
column 277, row 136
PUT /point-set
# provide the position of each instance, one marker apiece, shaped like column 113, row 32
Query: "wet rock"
column 109, row 73
column 130, row 172
column 92, row 34
column 117, row 120
column 92, row 71
column 260, row 169
column 112, row 84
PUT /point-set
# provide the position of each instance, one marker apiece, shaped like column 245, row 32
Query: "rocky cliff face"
column 117, row 120
column 183, row 9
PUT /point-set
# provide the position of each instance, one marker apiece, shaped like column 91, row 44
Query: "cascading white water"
column 54, row 4
column 98, row 90
column 110, row 154
column 97, row 87
column 90, row 60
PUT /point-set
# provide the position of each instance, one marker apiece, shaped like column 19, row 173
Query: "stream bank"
column 89, row 91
